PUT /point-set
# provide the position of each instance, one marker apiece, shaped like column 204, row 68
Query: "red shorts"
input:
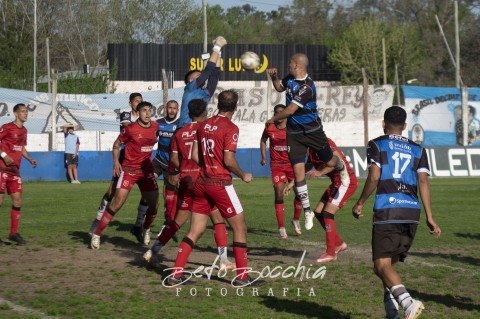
column 208, row 197
column 12, row 182
column 146, row 181
column 282, row 174
column 337, row 194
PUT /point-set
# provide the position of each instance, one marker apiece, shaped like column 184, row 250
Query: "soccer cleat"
column 309, row 216
column 283, row 232
column 344, row 177
column 343, row 246
column 172, row 281
column 146, row 236
column 137, row 232
column 414, row 310
column 226, row 265
column 17, row 238
column 326, row 258
column 152, row 259
column 296, row 225
column 238, row 283
column 95, row 242
column 93, row 227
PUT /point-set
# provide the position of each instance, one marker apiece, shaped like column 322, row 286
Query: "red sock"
column 220, row 234
column 14, row 220
column 297, row 206
column 184, row 251
column 170, row 204
column 241, row 261
column 149, row 218
column 168, row 232
column 330, row 232
column 279, row 212
column 104, row 221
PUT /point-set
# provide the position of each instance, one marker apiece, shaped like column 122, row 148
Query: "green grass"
column 57, row 275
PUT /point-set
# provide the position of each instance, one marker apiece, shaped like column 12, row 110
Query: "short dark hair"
column 395, row 115
column 172, row 101
column 278, row 106
column 143, row 104
column 187, row 75
column 472, row 110
column 16, row 107
column 134, row 95
column 196, row 107
column 227, row 101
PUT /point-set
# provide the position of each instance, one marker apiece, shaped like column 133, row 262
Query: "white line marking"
column 22, row 309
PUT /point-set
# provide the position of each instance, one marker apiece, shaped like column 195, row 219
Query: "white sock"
column 101, row 208
column 302, row 192
column 222, row 252
column 402, row 296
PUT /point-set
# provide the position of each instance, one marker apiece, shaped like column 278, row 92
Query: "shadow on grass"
column 455, row 257
column 304, row 308
column 83, row 237
column 468, row 235
column 463, row 303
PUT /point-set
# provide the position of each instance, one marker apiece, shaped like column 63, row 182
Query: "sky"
column 260, row 5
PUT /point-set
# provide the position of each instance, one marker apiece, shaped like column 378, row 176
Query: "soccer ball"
column 250, row 60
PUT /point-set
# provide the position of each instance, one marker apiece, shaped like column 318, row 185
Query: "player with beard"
column 136, row 168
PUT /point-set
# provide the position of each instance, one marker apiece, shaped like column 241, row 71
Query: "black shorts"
column 299, row 143
column 159, row 168
column 69, row 160
column 392, row 240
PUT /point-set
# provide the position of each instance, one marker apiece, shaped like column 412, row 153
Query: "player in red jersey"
column 214, row 150
column 136, row 168
column 281, row 169
column 13, row 139
column 334, row 198
column 181, row 161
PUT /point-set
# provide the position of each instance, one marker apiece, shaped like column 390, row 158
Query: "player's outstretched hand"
column 357, row 211
column 313, row 173
column 273, row 72
column 218, row 43
column 247, row 177
column 434, row 228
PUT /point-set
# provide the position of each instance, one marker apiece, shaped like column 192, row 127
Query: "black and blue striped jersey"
column 165, row 132
column 303, row 93
column 400, row 160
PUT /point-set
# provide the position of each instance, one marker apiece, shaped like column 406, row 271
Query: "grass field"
column 56, row 275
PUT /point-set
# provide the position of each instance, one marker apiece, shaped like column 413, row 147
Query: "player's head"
column 227, row 101
column 298, row 62
column 144, row 110
column 21, row 112
column 394, row 119
column 134, row 99
column 471, row 112
column 171, row 110
column 191, row 75
column 278, row 109
column 196, row 108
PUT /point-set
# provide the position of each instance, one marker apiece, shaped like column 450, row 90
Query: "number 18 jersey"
column 400, row 160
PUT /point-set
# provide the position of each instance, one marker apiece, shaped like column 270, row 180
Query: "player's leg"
column 15, row 217
column 197, row 227
column 137, row 229
column 221, row 239
column 278, row 188
column 170, row 199
column 327, row 219
column 106, row 199
column 70, row 173
column 239, row 229
column 297, row 205
column 149, row 189
column 339, row 165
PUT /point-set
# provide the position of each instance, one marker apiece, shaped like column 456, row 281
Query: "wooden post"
column 465, row 111
column 54, row 112
column 365, row 107
column 384, row 62
column 165, row 91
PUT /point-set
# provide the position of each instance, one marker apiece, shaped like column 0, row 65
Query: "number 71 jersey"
column 400, row 160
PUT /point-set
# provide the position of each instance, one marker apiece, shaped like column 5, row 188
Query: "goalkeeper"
column 195, row 81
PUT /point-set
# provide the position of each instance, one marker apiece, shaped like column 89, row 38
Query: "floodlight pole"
column 35, row 46
column 204, row 10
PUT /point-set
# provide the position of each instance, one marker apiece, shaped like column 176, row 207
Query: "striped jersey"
column 400, row 160
column 303, row 93
column 165, row 132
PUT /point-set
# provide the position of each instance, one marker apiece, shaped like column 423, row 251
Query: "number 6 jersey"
column 400, row 160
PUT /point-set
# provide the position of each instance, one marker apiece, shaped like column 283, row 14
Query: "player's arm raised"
column 277, row 83
column 232, row 165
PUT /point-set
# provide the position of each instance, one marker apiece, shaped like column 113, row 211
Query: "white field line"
column 25, row 310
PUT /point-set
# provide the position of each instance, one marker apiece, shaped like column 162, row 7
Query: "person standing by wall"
column 72, row 145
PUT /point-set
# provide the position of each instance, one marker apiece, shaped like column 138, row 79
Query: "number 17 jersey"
column 400, row 160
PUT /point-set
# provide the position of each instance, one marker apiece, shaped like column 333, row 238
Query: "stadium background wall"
column 145, row 61
column 97, row 165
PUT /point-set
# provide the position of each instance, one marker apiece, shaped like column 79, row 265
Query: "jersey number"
column 190, row 149
column 400, row 158
column 208, row 145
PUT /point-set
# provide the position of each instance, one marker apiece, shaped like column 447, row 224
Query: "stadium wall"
column 95, row 165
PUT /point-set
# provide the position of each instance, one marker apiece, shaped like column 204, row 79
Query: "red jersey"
column 278, row 145
column 215, row 136
column 139, row 142
column 182, row 144
column 333, row 175
column 12, row 141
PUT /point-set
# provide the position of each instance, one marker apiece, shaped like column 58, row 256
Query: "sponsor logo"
column 146, row 149
column 189, row 134
column 235, row 137
column 280, row 148
column 394, row 201
column 210, row 128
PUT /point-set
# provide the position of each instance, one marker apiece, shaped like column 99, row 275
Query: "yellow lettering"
column 238, row 65
column 230, row 66
column 192, row 64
